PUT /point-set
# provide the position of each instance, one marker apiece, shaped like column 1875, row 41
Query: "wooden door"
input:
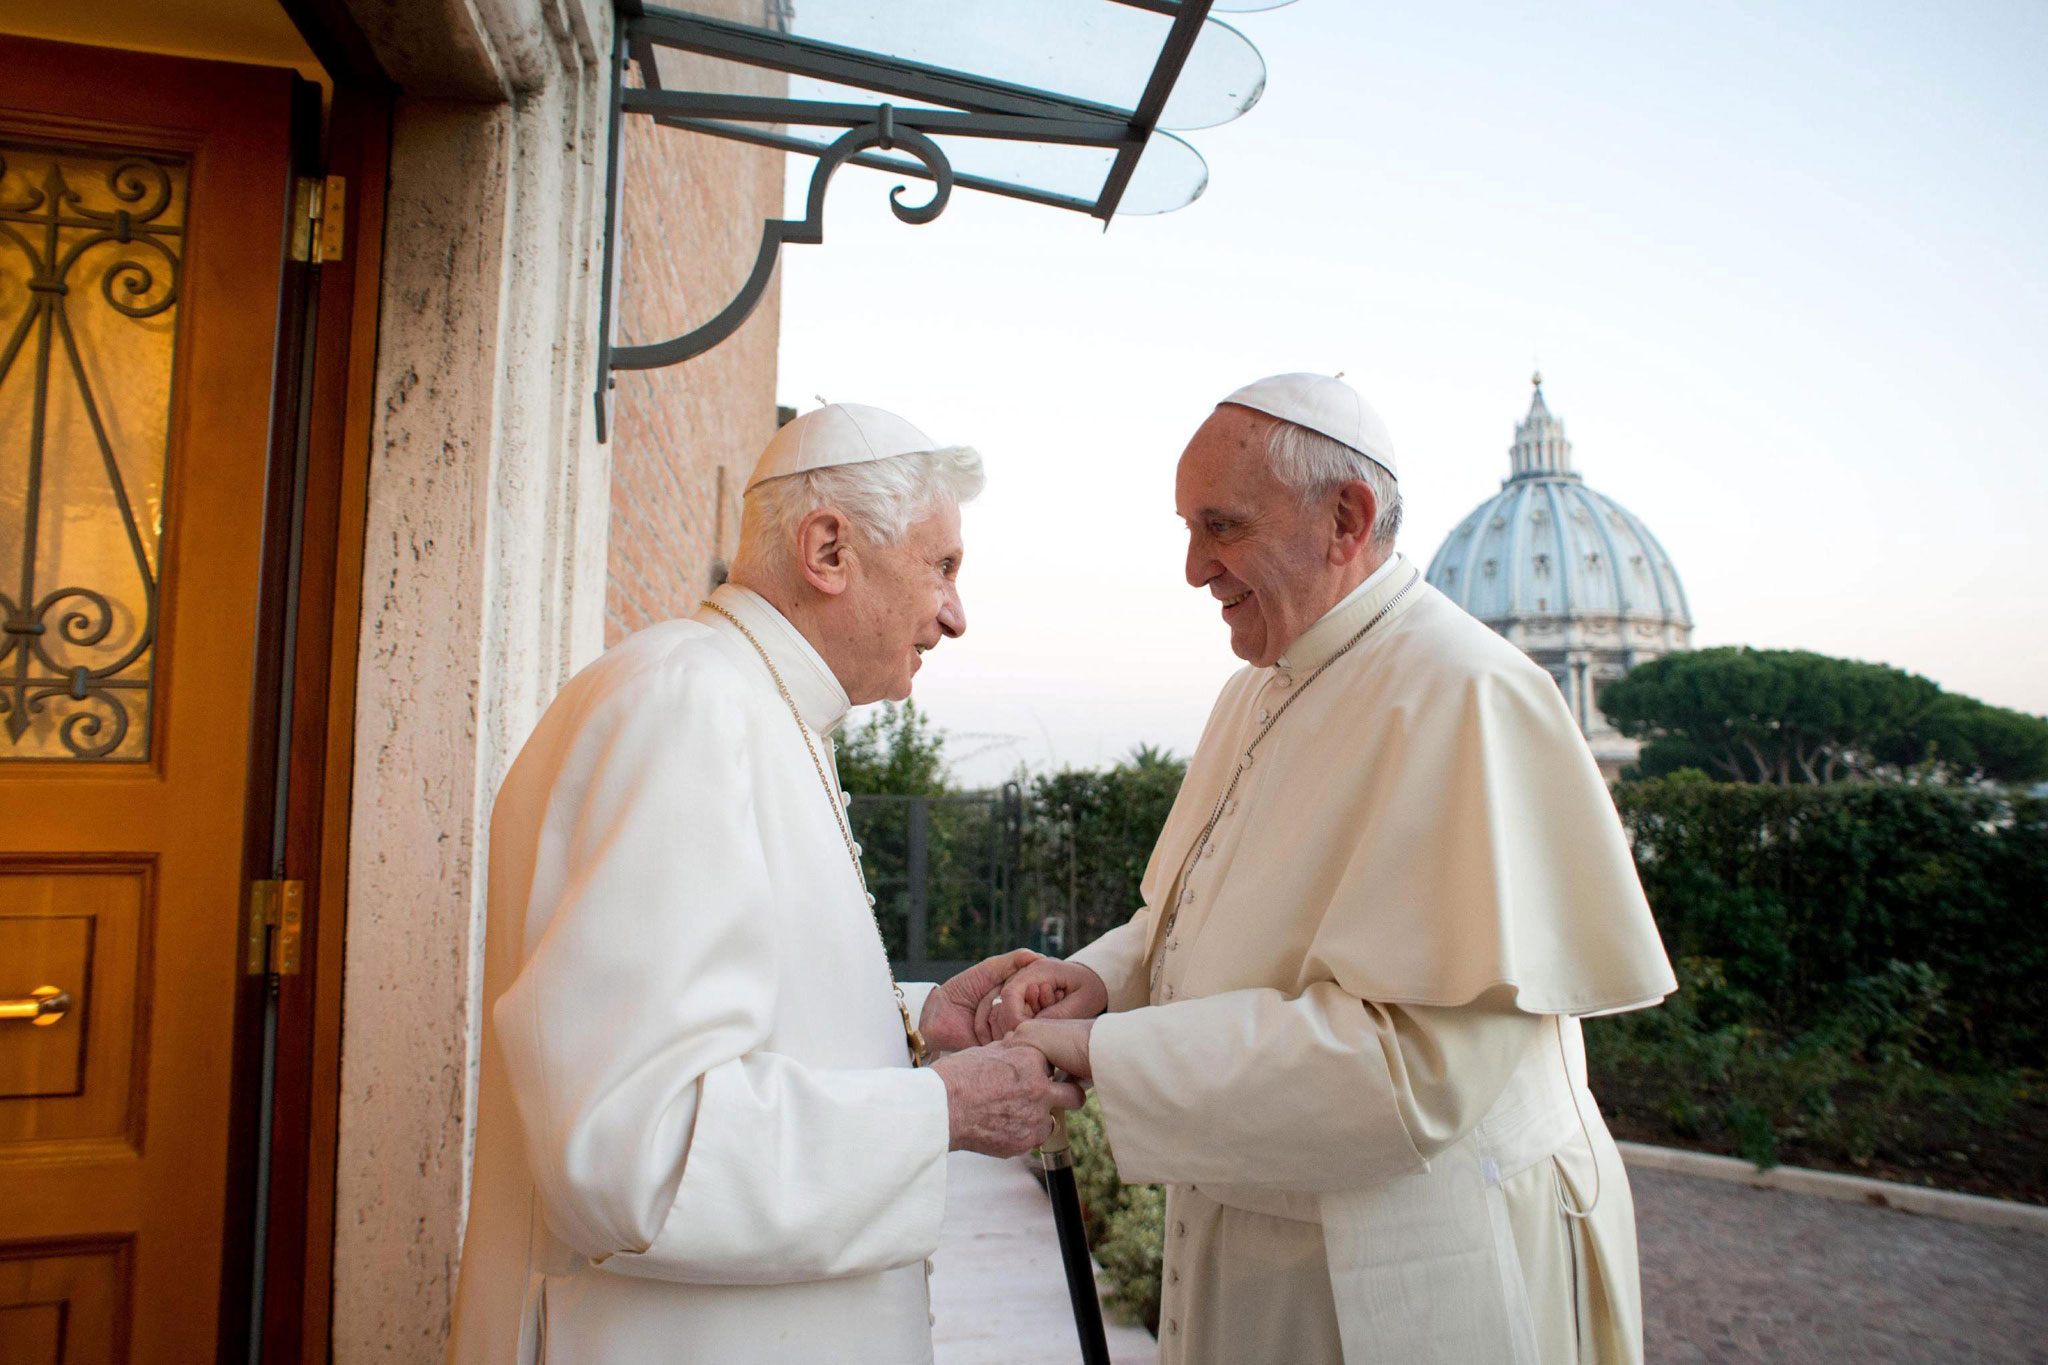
column 143, row 213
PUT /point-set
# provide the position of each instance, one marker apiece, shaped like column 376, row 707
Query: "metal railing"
column 944, row 870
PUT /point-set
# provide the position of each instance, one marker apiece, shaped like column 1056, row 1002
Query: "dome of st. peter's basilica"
column 1569, row 575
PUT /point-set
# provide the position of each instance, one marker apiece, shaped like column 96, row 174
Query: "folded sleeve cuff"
column 1249, row 1088
column 1118, row 957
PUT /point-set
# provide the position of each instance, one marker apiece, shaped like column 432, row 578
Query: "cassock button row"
column 1187, row 897
column 1264, row 715
column 1209, row 851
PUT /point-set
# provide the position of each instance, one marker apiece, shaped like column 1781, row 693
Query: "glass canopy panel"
column 694, row 71
column 1170, row 174
column 1097, row 51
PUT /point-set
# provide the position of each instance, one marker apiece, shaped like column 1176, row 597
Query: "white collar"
column 819, row 698
column 1314, row 646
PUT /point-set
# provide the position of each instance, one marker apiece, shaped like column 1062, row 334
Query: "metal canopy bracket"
column 884, row 135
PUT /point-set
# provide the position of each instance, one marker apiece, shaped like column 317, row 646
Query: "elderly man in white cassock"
column 701, row 1133
column 1344, row 1027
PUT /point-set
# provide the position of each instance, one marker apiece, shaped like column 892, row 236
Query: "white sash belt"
column 1424, row 1267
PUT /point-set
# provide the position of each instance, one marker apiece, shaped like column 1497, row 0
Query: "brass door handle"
column 43, row 1006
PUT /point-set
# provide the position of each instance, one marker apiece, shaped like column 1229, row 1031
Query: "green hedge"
column 1852, row 902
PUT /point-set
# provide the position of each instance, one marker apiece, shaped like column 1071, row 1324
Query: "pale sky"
column 1784, row 267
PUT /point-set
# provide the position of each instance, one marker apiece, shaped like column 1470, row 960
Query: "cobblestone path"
column 1737, row 1274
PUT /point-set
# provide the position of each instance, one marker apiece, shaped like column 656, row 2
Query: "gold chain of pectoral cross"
column 919, row 1054
column 1179, row 883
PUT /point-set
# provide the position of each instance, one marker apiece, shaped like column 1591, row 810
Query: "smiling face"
column 900, row 601
column 1274, row 562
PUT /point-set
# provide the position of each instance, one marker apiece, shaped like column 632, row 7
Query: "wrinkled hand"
column 947, row 1020
column 1050, row 988
column 1063, row 1041
column 999, row 1100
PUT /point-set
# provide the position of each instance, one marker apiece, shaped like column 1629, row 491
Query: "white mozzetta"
column 1568, row 574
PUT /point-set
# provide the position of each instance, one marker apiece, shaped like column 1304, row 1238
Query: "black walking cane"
column 1058, row 1157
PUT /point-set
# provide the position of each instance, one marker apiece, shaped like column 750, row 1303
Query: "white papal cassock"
column 700, row 1138
column 1347, row 1038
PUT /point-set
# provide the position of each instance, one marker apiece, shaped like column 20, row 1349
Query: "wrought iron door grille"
column 91, row 259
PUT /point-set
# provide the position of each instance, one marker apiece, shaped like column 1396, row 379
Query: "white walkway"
column 998, row 1292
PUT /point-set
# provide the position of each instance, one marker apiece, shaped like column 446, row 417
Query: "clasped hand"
column 1005, row 1024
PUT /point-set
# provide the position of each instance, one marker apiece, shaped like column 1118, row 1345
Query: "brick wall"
column 691, row 215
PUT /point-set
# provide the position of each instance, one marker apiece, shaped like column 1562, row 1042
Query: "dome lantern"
column 1540, row 448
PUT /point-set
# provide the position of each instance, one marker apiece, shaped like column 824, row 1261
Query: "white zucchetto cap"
column 1326, row 405
column 838, row 434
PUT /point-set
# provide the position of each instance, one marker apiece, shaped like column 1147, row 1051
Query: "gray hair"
column 1313, row 465
column 880, row 497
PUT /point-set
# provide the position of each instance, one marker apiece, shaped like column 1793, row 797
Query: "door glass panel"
column 91, row 250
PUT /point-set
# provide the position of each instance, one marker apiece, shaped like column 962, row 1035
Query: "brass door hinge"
column 317, row 218
column 276, row 923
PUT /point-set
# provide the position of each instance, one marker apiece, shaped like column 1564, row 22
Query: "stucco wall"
column 483, row 589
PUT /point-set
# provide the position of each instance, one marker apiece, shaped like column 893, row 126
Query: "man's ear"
column 1356, row 511
column 824, row 552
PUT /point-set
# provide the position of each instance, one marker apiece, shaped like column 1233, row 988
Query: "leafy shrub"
column 1132, row 1250
column 1711, row 1065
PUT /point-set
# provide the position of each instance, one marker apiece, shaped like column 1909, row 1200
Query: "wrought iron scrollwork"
column 54, row 642
column 938, row 101
column 883, row 135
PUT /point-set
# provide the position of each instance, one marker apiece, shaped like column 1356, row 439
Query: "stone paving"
column 999, row 1294
column 1733, row 1274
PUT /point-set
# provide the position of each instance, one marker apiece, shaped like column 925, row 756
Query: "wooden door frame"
column 339, row 402
column 306, row 1097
